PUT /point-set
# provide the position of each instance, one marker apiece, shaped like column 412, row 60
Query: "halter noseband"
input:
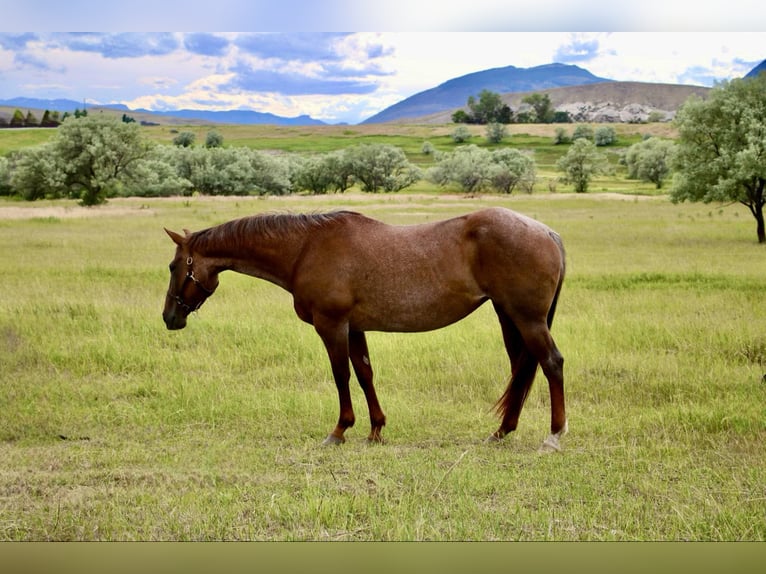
column 190, row 276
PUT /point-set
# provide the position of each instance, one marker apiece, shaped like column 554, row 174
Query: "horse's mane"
column 270, row 225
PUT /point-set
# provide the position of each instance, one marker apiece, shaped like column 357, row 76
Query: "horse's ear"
column 174, row 236
column 187, row 232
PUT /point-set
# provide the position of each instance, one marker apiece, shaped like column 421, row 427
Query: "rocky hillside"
column 600, row 102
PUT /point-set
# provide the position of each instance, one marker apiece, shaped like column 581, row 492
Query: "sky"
column 303, row 60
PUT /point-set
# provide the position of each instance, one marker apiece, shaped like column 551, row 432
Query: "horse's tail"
column 527, row 363
column 557, row 239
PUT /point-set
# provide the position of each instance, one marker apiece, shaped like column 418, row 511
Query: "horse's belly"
column 407, row 311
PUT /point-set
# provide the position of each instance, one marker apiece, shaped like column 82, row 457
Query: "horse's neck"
column 265, row 257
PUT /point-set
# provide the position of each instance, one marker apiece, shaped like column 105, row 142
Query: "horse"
column 349, row 274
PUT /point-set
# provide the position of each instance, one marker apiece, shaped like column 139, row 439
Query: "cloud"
column 206, row 44
column 16, row 41
column 124, row 45
column 579, row 49
column 301, row 47
column 293, row 83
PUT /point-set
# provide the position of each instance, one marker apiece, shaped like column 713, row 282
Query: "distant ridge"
column 454, row 93
column 222, row 117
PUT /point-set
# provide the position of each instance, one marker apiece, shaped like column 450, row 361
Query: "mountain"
column 196, row 116
column 454, row 93
column 239, row 117
column 757, row 70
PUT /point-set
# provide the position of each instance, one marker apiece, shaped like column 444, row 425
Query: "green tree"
column 511, row 168
column 496, row 132
column 382, row 167
column 541, row 103
column 488, row 108
column 650, row 160
column 30, row 120
column 604, row 135
column 461, row 117
column 310, row 175
column 184, row 139
column 721, row 147
column 461, row 134
column 213, row 139
column 468, row 167
column 37, row 172
column 5, row 176
column 561, row 137
column 17, row 121
column 97, row 154
column 582, row 131
column 50, row 119
column 581, row 163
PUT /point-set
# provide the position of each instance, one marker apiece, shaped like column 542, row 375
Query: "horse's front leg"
column 360, row 360
column 335, row 338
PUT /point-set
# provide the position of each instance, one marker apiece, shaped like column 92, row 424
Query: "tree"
column 650, row 160
column 581, row 163
column 582, row 131
column 604, row 135
column 488, row 108
column 184, row 139
column 721, row 147
column 510, row 168
column 30, row 120
column 5, row 176
column 496, row 132
column 96, row 155
column 541, row 103
column 461, row 134
column 468, row 166
column 37, row 173
column 382, row 167
column 213, row 139
column 50, row 119
column 311, row 175
column 17, row 121
column 461, row 117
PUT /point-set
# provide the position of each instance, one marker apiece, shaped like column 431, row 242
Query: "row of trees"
column 94, row 158
column 489, row 108
column 50, row 119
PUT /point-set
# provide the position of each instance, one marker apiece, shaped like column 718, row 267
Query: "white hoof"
column 553, row 442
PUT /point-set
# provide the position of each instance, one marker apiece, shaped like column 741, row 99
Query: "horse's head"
column 192, row 281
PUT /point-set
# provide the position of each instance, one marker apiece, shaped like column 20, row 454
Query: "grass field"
column 115, row 429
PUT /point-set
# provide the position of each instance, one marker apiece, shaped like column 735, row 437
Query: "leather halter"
column 190, row 276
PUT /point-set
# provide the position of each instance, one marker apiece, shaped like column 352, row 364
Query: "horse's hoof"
column 551, row 444
column 333, row 440
column 492, row 439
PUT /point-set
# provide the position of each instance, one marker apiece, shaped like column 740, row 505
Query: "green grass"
column 114, row 428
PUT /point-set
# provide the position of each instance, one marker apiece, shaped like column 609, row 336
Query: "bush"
column 582, row 131
column 496, row 132
column 604, row 135
column 382, row 167
column 461, row 134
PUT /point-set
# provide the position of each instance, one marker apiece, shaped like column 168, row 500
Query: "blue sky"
column 349, row 76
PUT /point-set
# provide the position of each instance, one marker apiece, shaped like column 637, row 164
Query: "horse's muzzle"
column 174, row 321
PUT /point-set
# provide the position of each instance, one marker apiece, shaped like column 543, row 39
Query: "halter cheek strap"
column 190, row 276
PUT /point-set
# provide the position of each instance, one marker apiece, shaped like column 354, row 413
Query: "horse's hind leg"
column 539, row 341
column 523, row 369
column 360, row 359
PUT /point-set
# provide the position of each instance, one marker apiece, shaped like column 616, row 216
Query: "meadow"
column 114, row 428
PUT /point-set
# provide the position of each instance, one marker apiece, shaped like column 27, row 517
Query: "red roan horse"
column 349, row 274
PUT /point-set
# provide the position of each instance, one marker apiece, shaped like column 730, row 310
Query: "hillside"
column 453, row 93
column 599, row 102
